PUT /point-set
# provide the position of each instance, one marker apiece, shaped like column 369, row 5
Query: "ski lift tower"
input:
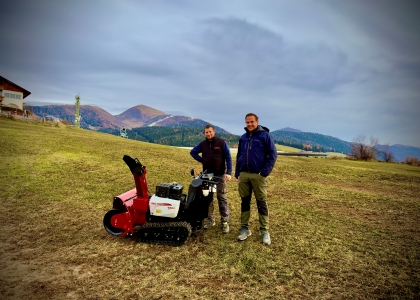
column 77, row 116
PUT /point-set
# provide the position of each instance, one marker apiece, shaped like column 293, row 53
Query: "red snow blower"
column 167, row 217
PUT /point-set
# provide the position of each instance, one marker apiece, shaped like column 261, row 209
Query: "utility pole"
column 77, row 116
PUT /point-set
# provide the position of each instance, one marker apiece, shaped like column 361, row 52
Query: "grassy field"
column 340, row 229
column 287, row 148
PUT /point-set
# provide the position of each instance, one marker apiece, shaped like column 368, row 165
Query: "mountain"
column 315, row 141
column 325, row 143
column 183, row 136
column 402, row 151
column 93, row 117
column 181, row 121
column 290, row 129
column 171, row 130
column 138, row 115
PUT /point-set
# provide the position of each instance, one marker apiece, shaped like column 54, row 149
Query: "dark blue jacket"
column 256, row 152
column 215, row 157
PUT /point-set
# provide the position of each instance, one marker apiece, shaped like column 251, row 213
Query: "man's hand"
column 237, row 179
column 227, row 177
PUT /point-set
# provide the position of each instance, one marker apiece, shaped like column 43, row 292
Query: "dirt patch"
column 40, row 278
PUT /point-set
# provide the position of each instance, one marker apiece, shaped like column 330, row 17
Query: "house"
column 11, row 96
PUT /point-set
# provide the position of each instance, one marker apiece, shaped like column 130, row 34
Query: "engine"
column 167, row 201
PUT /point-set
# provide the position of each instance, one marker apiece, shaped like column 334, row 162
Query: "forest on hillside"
column 191, row 136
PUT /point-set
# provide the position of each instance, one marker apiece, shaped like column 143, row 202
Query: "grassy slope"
column 340, row 229
column 287, row 148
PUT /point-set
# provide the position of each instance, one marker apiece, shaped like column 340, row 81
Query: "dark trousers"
column 222, row 201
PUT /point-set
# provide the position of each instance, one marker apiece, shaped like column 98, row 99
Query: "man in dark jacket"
column 216, row 159
column 255, row 160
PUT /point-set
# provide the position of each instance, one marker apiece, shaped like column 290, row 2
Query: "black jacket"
column 215, row 157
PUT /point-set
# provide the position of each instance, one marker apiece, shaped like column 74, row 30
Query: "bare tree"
column 363, row 151
column 411, row 160
column 357, row 147
column 386, row 153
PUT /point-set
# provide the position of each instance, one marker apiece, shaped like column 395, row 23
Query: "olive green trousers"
column 253, row 183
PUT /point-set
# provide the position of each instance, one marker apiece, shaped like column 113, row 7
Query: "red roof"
column 26, row 93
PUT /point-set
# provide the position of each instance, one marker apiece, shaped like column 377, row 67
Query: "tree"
column 386, row 153
column 411, row 160
column 363, row 151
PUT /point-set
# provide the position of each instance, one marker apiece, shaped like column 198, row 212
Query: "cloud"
column 341, row 68
column 251, row 56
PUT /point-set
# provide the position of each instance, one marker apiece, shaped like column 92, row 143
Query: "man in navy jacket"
column 216, row 159
column 255, row 160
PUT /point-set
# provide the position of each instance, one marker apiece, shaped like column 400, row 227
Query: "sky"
column 335, row 67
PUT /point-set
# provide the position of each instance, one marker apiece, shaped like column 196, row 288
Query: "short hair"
column 208, row 126
column 251, row 115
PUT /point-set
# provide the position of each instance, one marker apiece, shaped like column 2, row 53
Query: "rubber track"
column 171, row 233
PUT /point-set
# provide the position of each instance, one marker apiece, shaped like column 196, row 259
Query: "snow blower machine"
column 167, row 217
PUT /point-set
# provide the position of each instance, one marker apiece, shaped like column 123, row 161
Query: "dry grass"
column 340, row 229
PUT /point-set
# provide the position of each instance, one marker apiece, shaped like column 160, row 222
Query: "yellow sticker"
column 158, row 211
